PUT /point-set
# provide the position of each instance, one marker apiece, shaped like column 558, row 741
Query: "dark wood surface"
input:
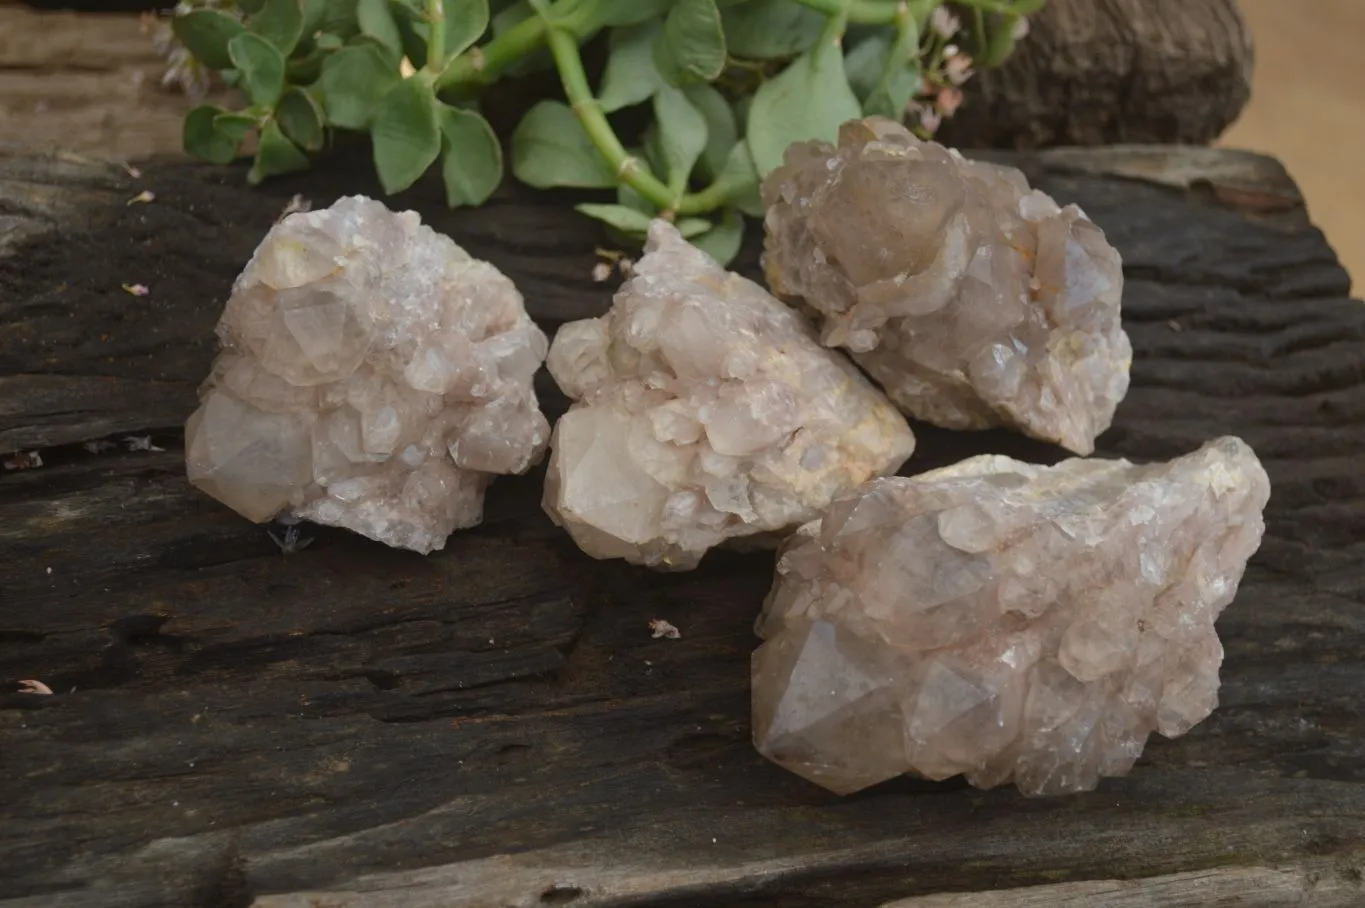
column 493, row 724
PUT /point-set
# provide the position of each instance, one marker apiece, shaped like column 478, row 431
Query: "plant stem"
column 436, row 42
column 483, row 65
column 628, row 169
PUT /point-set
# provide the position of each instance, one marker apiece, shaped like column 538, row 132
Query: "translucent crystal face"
column 373, row 376
column 973, row 300
column 705, row 410
column 1005, row 621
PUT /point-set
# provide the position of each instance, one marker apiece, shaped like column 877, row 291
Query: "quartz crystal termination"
column 705, row 410
column 372, row 376
column 972, row 299
column 1005, row 621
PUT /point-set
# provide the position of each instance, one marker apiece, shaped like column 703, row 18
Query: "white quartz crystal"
column 705, row 410
column 372, row 376
column 972, row 299
column 1006, row 621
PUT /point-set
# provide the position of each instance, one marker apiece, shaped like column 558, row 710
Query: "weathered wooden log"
column 1090, row 72
column 493, row 725
column 1094, row 72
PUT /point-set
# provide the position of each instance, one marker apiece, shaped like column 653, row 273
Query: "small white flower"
column 958, row 68
column 944, row 22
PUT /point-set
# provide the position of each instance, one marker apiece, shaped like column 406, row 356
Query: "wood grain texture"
column 1318, row 883
column 1093, row 72
column 88, row 82
column 493, row 724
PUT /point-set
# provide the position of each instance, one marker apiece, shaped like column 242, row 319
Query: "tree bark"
column 1095, row 72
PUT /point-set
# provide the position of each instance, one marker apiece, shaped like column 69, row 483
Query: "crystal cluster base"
column 705, row 411
column 372, row 376
column 1005, row 621
column 974, row 300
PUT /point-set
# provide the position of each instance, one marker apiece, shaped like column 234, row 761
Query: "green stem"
column 436, row 42
column 483, row 65
column 905, row 46
column 629, row 170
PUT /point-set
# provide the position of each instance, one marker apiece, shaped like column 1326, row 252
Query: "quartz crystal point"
column 705, row 410
column 1005, row 621
column 372, row 376
column 973, row 300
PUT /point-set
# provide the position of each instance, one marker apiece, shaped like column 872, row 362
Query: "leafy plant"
column 725, row 86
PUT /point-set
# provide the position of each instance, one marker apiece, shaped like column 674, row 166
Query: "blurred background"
column 89, row 83
column 1308, row 109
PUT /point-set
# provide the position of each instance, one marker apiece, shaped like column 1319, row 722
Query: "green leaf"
column 206, row 34
column 999, row 43
column 537, row 60
column 466, row 21
column 721, row 129
column 692, row 45
column 472, row 160
column 628, row 196
column 376, row 21
column 235, row 125
column 893, row 93
column 261, row 67
column 314, row 12
column 740, row 173
column 352, row 82
column 275, row 155
column 626, row 220
column 722, row 241
column 885, row 74
column 413, row 32
column 810, row 99
column 865, row 62
column 690, row 227
column 339, row 18
column 304, row 69
column 280, row 22
column 550, row 148
column 406, row 135
column 251, row 7
column 765, row 29
column 300, row 118
column 653, row 148
column 605, row 13
column 204, row 139
column 631, row 76
column 682, row 134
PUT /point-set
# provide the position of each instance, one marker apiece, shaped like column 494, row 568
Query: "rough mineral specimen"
column 1006, row 621
column 372, row 376
column 973, row 300
column 705, row 410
